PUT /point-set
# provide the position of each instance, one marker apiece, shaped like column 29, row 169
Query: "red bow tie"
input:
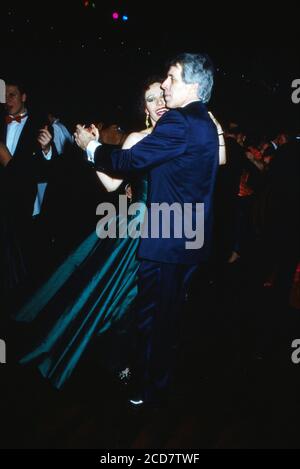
column 9, row 119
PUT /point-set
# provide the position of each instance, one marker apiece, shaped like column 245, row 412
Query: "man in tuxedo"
column 19, row 173
column 181, row 159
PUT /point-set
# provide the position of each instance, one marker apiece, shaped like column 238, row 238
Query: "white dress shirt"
column 90, row 149
column 61, row 136
column 14, row 131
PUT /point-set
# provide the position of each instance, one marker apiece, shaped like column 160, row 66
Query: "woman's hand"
column 95, row 132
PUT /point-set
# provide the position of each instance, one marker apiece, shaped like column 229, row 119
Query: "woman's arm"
column 112, row 184
column 222, row 148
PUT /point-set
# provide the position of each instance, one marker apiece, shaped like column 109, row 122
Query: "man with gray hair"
column 181, row 159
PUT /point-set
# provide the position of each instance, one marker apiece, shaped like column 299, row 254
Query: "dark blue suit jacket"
column 181, row 156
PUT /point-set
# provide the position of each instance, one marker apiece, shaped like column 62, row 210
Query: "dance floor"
column 235, row 387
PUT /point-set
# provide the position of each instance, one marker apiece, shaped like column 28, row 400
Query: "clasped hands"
column 111, row 135
column 83, row 136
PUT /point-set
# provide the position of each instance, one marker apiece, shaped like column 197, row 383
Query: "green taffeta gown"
column 91, row 291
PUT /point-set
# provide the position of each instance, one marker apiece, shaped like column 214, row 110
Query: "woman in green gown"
column 95, row 287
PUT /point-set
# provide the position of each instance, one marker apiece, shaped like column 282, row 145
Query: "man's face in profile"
column 177, row 93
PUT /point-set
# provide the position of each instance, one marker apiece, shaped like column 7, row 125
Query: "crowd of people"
column 258, row 196
column 56, row 270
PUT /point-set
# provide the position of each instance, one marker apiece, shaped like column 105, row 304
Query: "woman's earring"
column 148, row 122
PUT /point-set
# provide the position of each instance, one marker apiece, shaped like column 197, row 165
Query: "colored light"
column 125, row 18
column 115, row 15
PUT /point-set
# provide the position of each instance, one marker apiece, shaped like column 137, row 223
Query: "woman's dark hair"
column 144, row 87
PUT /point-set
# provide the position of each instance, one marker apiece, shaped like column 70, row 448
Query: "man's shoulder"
column 173, row 116
column 195, row 107
column 196, row 111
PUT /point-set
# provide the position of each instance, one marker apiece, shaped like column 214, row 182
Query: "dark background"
column 236, row 385
column 75, row 58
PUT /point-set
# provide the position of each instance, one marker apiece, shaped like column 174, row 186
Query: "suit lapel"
column 23, row 137
column 27, row 138
column 3, row 133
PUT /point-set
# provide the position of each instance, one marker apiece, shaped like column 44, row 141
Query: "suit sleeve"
column 167, row 141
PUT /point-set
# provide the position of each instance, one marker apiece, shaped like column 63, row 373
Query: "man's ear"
column 196, row 87
column 24, row 97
